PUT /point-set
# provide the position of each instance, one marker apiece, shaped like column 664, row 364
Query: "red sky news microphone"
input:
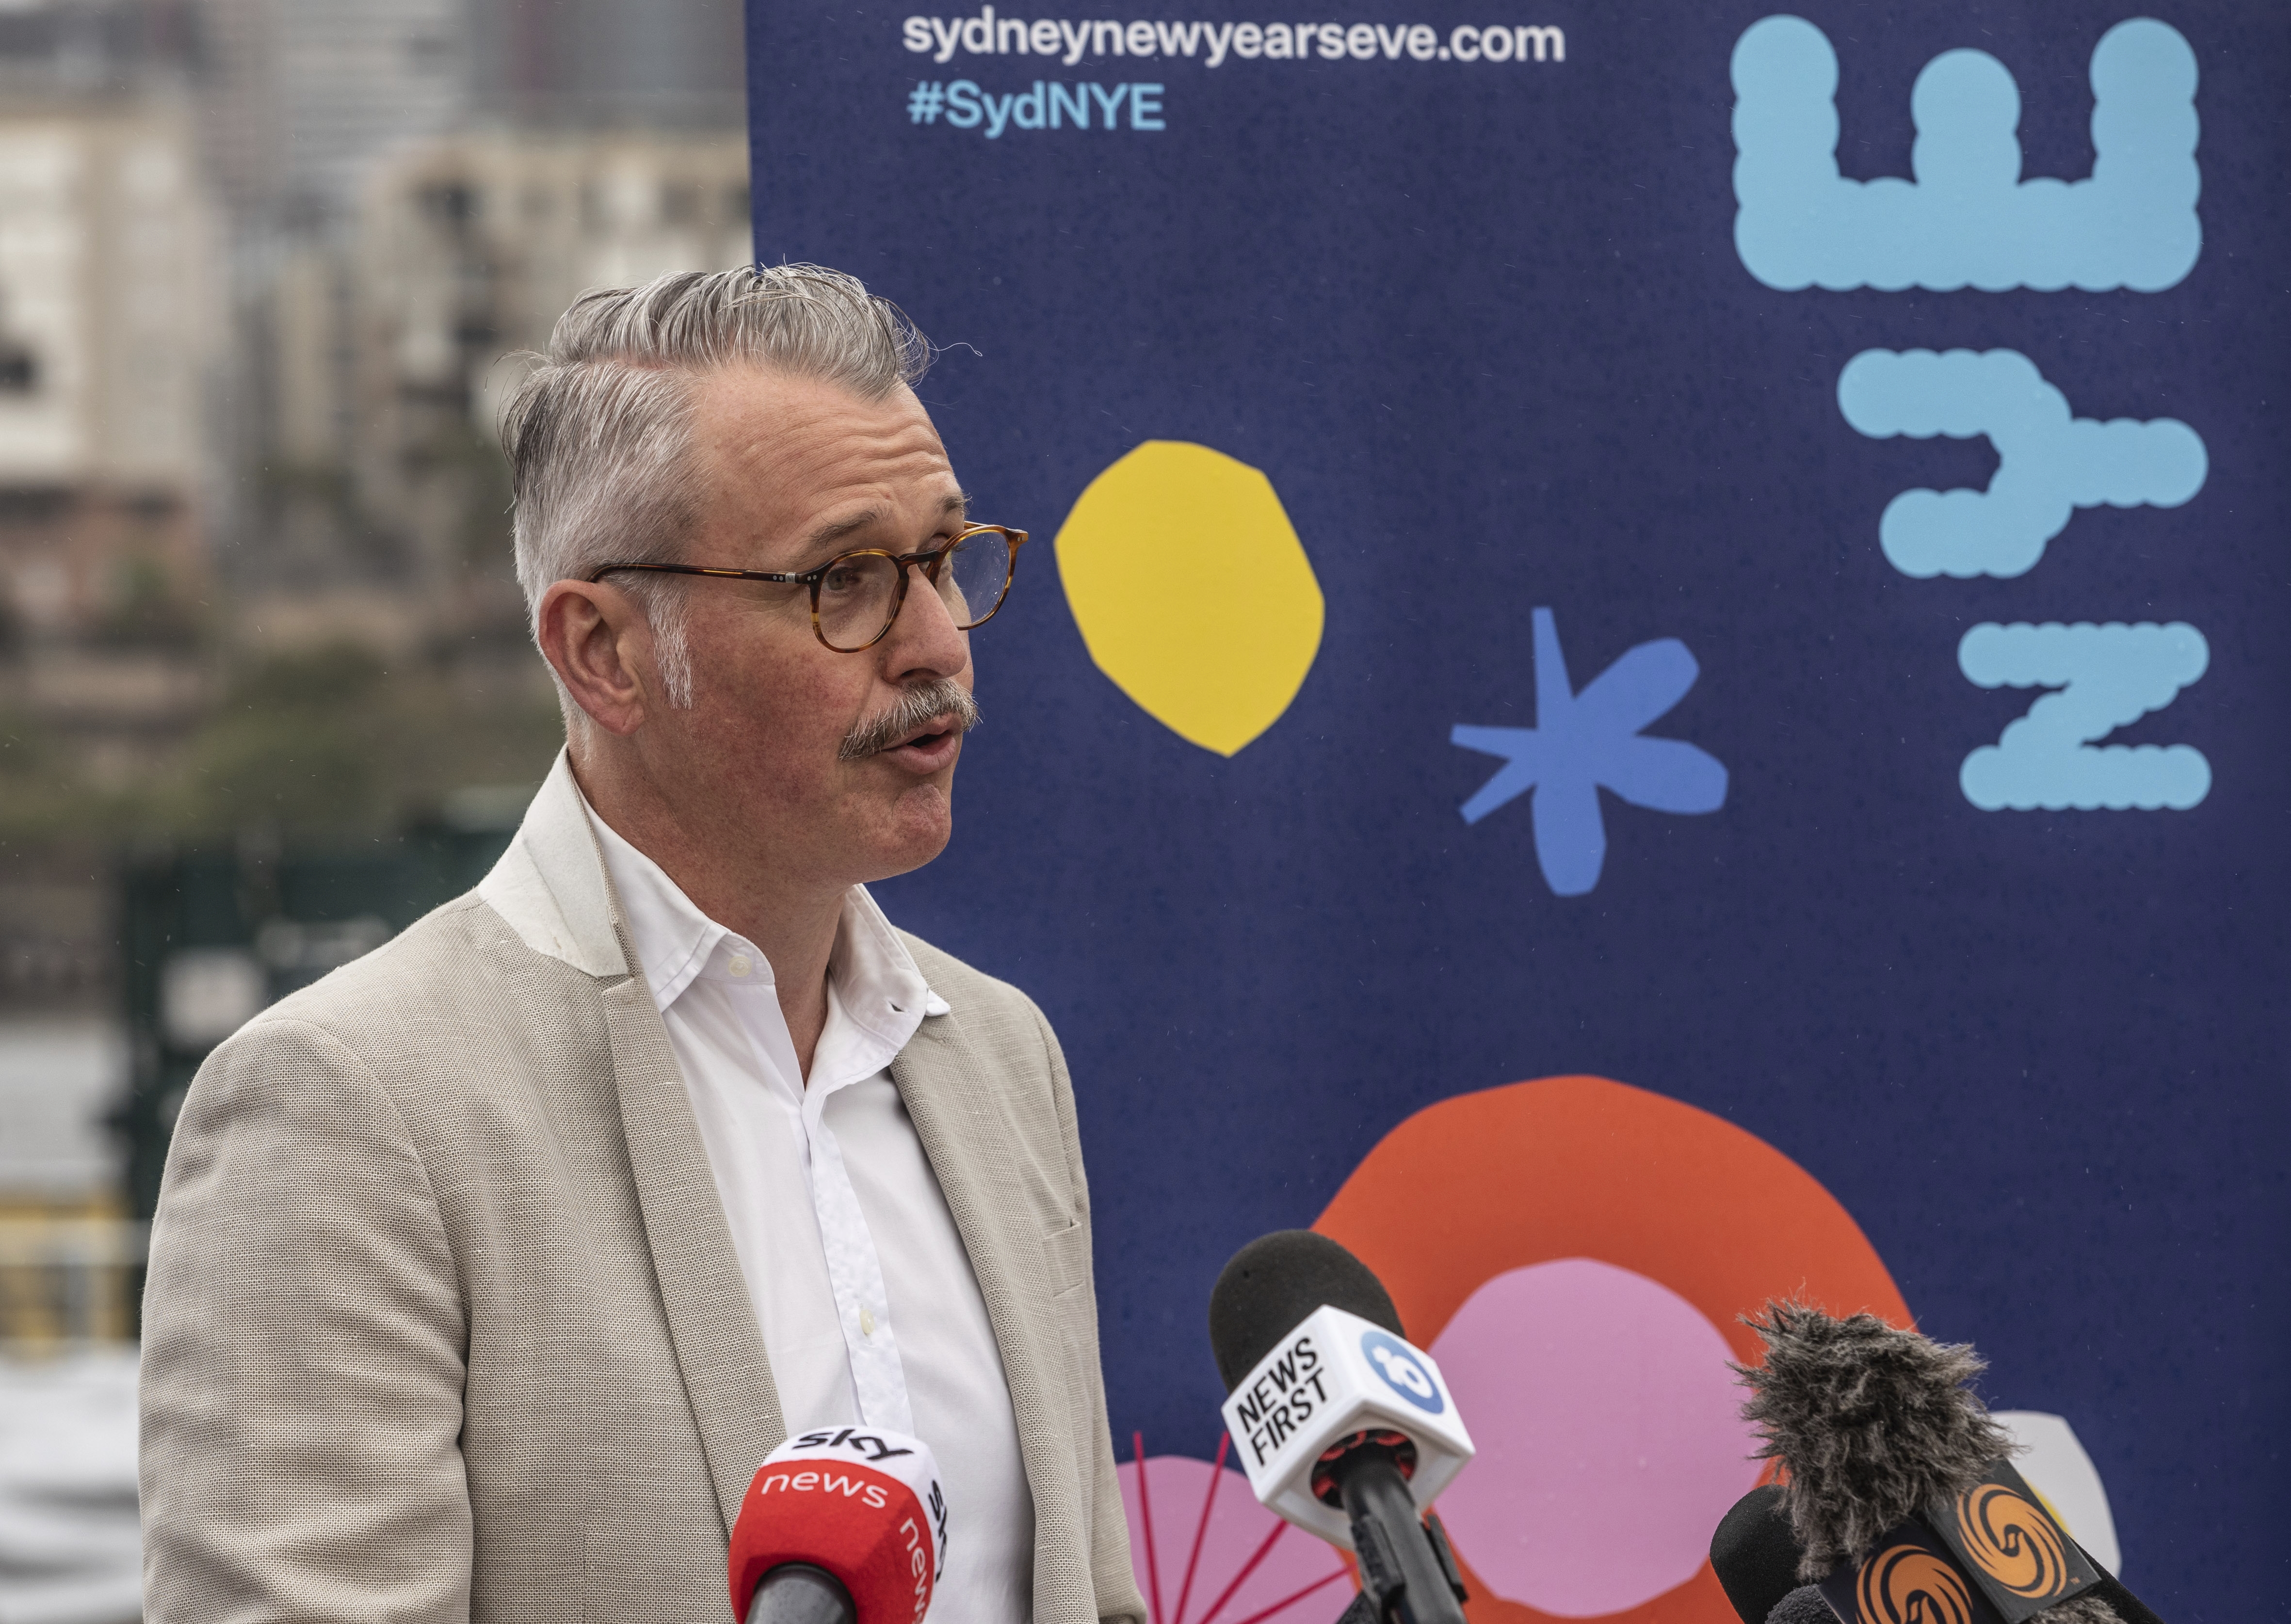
column 1343, row 1428
column 842, row 1525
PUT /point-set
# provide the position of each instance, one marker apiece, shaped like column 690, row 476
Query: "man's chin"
column 920, row 825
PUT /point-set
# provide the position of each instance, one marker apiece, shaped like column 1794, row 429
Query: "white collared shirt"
column 869, row 1308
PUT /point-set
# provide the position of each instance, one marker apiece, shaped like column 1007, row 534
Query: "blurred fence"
column 213, row 936
column 67, row 1281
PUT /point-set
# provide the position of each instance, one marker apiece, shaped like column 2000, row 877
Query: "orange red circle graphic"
column 1605, row 1240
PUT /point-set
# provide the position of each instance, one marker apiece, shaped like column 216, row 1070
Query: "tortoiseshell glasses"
column 856, row 596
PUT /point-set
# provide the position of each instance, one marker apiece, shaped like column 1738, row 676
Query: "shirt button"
column 866, row 1321
column 740, row 964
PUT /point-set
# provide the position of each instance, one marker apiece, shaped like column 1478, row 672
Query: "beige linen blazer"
column 444, row 1321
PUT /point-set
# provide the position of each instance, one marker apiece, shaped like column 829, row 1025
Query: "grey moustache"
column 917, row 708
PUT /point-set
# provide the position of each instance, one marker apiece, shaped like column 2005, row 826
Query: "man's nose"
column 924, row 638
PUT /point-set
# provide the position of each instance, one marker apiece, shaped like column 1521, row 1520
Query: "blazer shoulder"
column 998, row 1023
column 460, row 964
column 963, row 983
column 967, row 988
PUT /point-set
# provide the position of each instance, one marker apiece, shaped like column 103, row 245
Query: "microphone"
column 1898, row 1498
column 1756, row 1558
column 842, row 1525
column 1756, row 1555
column 1343, row 1428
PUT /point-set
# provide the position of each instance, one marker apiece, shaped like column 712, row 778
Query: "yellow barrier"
column 65, row 1277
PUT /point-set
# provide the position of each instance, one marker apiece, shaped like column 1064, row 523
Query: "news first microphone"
column 842, row 1525
column 1343, row 1427
column 1898, row 1499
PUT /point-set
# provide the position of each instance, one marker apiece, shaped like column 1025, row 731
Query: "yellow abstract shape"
column 1192, row 591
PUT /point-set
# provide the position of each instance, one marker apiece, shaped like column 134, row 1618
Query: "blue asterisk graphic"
column 1581, row 742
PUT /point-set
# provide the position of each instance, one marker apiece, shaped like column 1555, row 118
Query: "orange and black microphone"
column 1898, row 1501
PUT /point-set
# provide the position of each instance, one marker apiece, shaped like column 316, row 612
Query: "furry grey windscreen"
column 1873, row 1424
column 1275, row 1281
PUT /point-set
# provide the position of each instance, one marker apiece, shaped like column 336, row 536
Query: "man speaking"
column 487, row 1270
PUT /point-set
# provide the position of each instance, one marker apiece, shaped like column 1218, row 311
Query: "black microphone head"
column 1803, row 1605
column 2109, row 1593
column 1272, row 1283
column 1754, row 1554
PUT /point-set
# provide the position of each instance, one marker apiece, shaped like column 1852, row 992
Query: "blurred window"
column 450, row 202
column 206, row 993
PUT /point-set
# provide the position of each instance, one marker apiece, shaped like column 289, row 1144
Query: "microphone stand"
column 1408, row 1575
column 798, row 1593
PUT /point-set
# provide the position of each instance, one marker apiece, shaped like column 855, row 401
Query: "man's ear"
column 600, row 644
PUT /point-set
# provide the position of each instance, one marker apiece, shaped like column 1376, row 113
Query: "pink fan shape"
column 1207, row 1553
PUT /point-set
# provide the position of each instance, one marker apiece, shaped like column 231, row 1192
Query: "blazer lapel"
column 964, row 1127
column 712, row 1323
column 553, row 888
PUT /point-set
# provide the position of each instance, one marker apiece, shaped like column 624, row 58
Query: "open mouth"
column 933, row 739
column 937, row 727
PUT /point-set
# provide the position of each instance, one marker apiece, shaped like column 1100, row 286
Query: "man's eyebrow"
column 835, row 530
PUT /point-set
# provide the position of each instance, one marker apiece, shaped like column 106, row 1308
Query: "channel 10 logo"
column 1403, row 1370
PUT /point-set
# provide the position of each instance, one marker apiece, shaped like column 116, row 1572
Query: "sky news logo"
column 1213, row 42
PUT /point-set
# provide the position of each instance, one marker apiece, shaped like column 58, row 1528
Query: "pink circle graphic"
column 1224, row 1557
column 1610, row 1435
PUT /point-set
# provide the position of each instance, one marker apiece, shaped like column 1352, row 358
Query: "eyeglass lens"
column 858, row 593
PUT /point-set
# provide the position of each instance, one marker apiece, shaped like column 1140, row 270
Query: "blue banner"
column 1651, row 674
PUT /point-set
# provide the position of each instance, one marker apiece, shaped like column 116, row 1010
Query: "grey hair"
column 599, row 431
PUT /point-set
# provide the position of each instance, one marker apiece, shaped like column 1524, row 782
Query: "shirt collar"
column 875, row 978
column 874, row 974
column 673, row 938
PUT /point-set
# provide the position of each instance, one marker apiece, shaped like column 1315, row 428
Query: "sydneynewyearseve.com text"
column 986, row 34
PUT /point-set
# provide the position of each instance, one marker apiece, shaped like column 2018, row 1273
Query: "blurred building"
column 257, row 258
column 113, row 296
column 581, row 142
column 110, row 326
column 389, row 355
column 298, row 100
column 608, row 64
column 260, row 263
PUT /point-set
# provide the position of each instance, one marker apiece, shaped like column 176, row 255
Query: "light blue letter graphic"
column 1969, row 218
column 2047, row 462
column 2107, row 675
column 1582, row 741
